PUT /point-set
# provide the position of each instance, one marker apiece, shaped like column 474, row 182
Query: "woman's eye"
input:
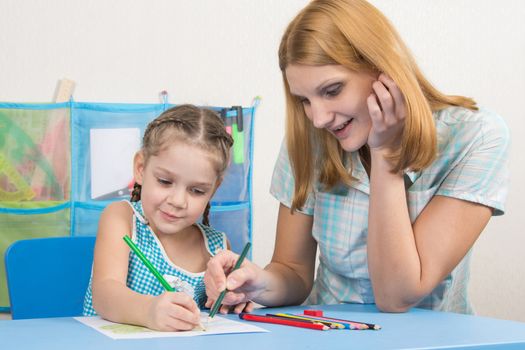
column 333, row 91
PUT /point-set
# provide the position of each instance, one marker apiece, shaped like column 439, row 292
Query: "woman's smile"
column 343, row 130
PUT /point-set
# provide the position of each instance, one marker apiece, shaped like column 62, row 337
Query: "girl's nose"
column 177, row 198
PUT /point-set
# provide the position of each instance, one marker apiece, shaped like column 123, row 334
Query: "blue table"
column 417, row 329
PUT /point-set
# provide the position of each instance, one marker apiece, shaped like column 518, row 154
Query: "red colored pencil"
column 282, row 321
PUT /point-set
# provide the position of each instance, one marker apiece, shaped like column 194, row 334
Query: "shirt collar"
column 362, row 182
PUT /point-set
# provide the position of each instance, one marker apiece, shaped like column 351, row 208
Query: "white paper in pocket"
column 112, row 152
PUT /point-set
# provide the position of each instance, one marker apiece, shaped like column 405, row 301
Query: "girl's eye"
column 197, row 191
column 163, row 182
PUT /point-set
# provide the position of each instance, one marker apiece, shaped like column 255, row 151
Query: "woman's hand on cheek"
column 386, row 106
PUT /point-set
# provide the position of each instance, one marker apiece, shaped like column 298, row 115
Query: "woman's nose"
column 320, row 115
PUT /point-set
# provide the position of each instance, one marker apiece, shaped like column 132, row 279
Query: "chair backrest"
column 48, row 277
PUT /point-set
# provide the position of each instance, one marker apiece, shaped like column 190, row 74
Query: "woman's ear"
column 138, row 167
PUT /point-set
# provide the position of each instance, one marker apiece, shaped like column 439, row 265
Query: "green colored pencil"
column 218, row 302
column 152, row 268
column 148, row 264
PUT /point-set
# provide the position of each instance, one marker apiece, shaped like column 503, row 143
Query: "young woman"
column 390, row 178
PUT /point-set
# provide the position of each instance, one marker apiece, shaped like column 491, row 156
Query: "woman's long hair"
column 356, row 35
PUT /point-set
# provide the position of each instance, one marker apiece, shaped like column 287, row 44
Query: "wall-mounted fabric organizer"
column 62, row 163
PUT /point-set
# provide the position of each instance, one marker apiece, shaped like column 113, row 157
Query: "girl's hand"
column 386, row 106
column 243, row 284
column 173, row 311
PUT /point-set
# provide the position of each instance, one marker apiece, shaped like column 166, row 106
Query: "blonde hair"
column 357, row 36
column 192, row 125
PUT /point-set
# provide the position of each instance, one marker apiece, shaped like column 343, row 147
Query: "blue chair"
column 48, row 277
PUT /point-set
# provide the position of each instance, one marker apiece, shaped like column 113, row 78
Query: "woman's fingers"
column 397, row 95
column 386, row 107
column 244, row 307
column 215, row 276
column 385, row 99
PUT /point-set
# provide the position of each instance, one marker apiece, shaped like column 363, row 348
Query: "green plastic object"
column 238, row 145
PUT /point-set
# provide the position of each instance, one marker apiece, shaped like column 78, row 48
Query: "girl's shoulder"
column 214, row 239
column 118, row 210
column 115, row 219
column 117, row 213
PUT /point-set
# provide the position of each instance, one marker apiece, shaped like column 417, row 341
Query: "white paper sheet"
column 111, row 156
column 218, row 325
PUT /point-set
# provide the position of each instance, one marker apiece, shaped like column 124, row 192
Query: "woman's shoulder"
column 463, row 126
column 464, row 118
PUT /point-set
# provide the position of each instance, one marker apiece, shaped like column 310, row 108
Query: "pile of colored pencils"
column 311, row 320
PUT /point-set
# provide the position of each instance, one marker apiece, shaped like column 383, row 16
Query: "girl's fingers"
column 184, row 301
column 184, row 314
column 176, row 324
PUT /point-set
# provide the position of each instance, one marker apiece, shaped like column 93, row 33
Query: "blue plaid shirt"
column 471, row 165
column 141, row 280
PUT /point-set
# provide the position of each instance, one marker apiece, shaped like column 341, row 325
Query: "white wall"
column 224, row 53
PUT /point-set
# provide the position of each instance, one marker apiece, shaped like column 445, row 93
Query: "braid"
column 205, row 215
column 135, row 194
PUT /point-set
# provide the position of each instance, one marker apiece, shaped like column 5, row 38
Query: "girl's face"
column 177, row 184
column 334, row 98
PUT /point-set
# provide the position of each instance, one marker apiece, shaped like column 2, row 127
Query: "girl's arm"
column 288, row 278
column 113, row 300
column 406, row 262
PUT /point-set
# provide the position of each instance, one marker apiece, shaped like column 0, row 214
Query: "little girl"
column 184, row 155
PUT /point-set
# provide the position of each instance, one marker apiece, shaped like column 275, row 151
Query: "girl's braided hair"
column 194, row 125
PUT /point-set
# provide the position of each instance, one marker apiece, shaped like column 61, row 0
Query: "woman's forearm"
column 394, row 264
column 284, row 286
